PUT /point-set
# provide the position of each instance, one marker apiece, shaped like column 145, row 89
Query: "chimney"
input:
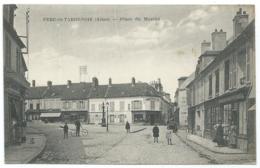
column 205, row 46
column 133, row 81
column 181, row 80
column 240, row 22
column 94, row 81
column 33, row 83
column 68, row 83
column 49, row 84
column 109, row 82
column 160, row 88
column 219, row 40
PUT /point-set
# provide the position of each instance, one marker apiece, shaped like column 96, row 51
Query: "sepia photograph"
column 129, row 84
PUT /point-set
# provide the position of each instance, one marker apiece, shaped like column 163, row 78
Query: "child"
column 169, row 136
column 155, row 133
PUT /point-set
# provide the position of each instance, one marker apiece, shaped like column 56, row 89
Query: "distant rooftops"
column 73, row 91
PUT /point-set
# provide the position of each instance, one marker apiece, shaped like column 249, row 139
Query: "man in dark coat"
column 219, row 135
column 127, row 127
column 77, row 123
column 155, row 133
column 65, row 130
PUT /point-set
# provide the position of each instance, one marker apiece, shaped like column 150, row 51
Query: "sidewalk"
column 217, row 155
column 206, row 143
column 26, row 152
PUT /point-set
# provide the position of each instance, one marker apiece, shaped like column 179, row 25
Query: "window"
column 137, row 105
column 18, row 60
column 112, row 118
column 122, row 105
column 226, row 80
column 217, row 82
column 31, row 106
column 8, row 52
column 121, row 118
column 81, row 104
column 210, row 86
column 100, row 107
column 152, row 105
column 129, row 107
column 248, row 67
column 93, row 107
column 69, row 104
column 112, row 106
column 234, row 71
column 38, row 106
column 138, row 117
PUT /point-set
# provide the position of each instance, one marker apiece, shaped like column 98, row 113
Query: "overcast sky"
column 166, row 49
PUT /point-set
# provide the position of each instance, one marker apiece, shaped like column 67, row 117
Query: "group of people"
column 169, row 132
column 231, row 137
column 66, row 129
column 168, row 135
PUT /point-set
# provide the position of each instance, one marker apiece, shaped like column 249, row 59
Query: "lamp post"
column 103, row 124
column 107, row 115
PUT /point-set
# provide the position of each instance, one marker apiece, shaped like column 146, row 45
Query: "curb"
column 42, row 147
column 138, row 130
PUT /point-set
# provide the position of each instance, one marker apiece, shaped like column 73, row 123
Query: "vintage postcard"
column 129, row 84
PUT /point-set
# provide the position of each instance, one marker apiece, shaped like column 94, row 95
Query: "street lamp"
column 107, row 115
column 103, row 124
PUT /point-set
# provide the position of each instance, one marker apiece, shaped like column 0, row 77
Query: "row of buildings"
column 15, row 83
column 222, row 87
column 135, row 102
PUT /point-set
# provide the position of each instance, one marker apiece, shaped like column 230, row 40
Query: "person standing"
column 127, row 127
column 232, row 135
column 65, row 130
column 77, row 128
column 219, row 134
column 155, row 133
column 169, row 135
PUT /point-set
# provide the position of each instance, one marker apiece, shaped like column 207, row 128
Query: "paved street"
column 115, row 147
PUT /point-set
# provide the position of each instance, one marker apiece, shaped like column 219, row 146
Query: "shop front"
column 231, row 110
column 146, row 117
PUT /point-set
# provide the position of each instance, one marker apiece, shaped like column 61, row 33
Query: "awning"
column 50, row 114
column 252, row 108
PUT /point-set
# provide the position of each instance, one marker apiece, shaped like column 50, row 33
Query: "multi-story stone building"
column 181, row 101
column 132, row 102
column 224, row 85
column 15, row 84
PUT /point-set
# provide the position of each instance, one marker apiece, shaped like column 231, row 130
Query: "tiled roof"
column 76, row 91
column 127, row 90
column 55, row 91
column 86, row 90
column 35, row 92
column 98, row 91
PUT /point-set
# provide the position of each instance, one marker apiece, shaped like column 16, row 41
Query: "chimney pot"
column 68, row 83
column 240, row 22
column 133, row 81
column 33, row 83
column 95, row 81
column 219, row 40
column 110, row 82
column 49, row 84
column 205, row 46
column 240, row 10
